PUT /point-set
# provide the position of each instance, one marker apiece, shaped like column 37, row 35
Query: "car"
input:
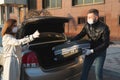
column 50, row 57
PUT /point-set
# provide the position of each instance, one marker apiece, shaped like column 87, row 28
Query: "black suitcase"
column 69, row 50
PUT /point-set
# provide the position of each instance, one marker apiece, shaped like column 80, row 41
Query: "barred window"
column 82, row 20
column 52, row 4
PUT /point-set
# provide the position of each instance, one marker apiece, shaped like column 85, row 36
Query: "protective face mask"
column 90, row 21
column 15, row 29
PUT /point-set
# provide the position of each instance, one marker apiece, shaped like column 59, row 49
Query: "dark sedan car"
column 50, row 57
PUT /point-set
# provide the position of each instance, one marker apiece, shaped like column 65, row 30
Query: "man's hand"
column 68, row 41
column 88, row 51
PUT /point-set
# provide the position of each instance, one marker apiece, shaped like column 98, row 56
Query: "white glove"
column 68, row 41
column 36, row 34
column 88, row 51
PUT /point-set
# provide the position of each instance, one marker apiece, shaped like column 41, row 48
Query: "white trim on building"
column 21, row 2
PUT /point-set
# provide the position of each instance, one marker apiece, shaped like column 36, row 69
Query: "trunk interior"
column 50, row 31
column 46, row 56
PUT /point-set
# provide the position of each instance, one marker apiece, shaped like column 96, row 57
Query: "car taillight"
column 29, row 59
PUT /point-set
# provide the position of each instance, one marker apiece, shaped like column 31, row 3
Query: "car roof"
column 47, row 19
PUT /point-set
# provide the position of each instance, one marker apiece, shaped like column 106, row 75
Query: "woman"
column 12, row 49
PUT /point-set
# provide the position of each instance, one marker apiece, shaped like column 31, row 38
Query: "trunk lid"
column 51, row 34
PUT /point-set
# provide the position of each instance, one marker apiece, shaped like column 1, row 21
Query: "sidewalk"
column 112, row 62
column 107, row 75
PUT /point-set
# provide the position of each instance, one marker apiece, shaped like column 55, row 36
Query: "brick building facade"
column 109, row 13
column 77, row 9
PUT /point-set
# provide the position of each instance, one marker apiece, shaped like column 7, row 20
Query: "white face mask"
column 15, row 29
column 90, row 21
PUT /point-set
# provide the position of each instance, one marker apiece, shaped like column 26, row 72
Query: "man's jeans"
column 99, row 58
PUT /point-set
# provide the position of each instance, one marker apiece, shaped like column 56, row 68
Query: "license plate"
column 70, row 51
column 67, row 51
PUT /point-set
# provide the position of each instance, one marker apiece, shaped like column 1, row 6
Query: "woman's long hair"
column 7, row 29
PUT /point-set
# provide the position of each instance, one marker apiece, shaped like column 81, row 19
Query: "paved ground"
column 112, row 64
column 108, row 75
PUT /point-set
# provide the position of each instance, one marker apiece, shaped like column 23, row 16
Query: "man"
column 98, row 33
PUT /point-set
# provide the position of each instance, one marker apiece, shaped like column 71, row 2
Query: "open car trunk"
column 51, row 34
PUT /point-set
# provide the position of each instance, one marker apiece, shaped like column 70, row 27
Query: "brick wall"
column 110, row 9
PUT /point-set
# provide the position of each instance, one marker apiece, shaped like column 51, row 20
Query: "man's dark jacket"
column 98, row 34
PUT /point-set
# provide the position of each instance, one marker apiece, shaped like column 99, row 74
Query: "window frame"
column 83, row 4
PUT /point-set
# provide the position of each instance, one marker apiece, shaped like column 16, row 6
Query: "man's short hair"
column 95, row 11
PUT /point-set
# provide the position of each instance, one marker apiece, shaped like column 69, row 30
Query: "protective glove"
column 88, row 51
column 36, row 34
column 68, row 41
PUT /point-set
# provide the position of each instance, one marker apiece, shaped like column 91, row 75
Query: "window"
column 82, row 20
column 102, row 18
column 32, row 4
column 52, row 3
column 85, row 2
